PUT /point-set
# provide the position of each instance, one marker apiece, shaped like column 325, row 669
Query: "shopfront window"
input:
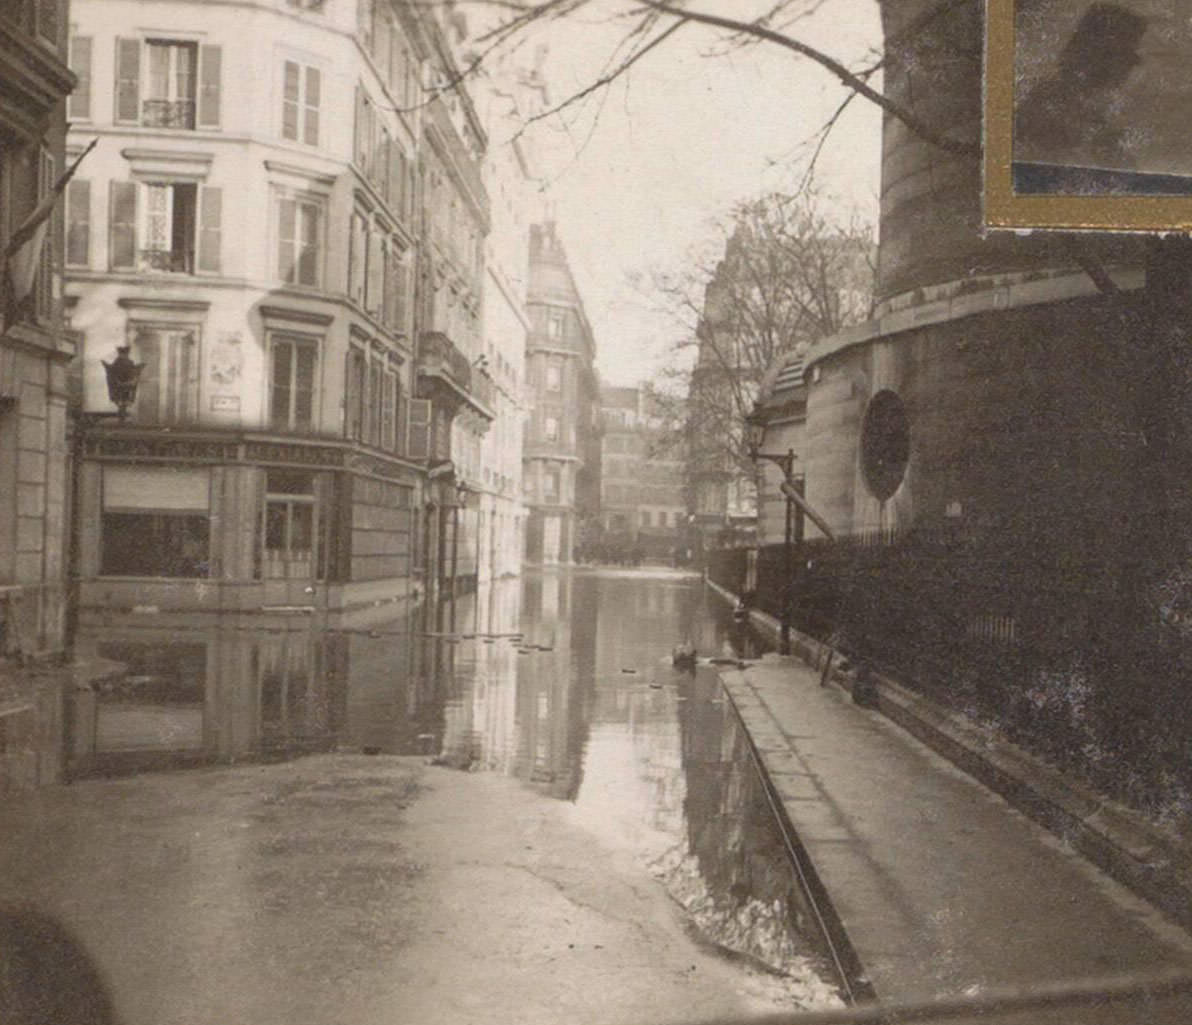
column 155, row 523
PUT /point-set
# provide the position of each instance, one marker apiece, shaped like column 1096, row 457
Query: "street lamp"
column 755, row 435
column 123, row 377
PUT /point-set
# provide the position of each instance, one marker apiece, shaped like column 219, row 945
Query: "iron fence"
column 1082, row 660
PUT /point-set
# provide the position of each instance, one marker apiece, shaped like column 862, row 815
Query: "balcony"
column 166, row 261
column 168, row 113
column 445, row 375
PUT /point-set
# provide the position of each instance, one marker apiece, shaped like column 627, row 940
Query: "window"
column 289, row 528
column 550, row 485
column 168, row 392
column 78, row 223
column 292, row 382
column 301, row 91
column 79, row 102
column 164, row 83
column 554, row 323
column 550, row 429
column 299, row 245
column 49, row 16
column 554, row 378
column 155, row 522
column 164, row 227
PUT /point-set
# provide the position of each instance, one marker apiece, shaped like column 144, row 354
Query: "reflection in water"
column 562, row 680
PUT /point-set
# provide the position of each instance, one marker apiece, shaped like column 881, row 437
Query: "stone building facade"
column 643, row 506
column 34, row 350
column 290, row 240
column 561, row 471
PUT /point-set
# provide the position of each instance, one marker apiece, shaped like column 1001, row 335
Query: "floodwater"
column 562, row 680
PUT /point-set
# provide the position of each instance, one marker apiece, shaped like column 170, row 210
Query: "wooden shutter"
column 128, row 81
column 396, row 174
column 418, row 445
column 291, row 99
column 210, row 62
column 376, row 272
column 312, row 100
column 148, row 351
column 287, row 227
column 78, row 223
column 78, row 105
column 403, row 409
column 122, row 226
column 360, row 147
column 210, row 214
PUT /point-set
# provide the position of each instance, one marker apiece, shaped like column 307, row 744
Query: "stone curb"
column 1132, row 850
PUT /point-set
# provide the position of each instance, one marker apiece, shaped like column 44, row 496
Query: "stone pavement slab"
column 941, row 885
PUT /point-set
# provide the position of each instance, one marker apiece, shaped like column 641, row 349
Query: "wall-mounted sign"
column 225, row 403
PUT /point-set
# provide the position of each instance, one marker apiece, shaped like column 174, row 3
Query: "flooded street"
column 474, row 765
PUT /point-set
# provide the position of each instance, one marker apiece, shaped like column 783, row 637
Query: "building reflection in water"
column 563, row 680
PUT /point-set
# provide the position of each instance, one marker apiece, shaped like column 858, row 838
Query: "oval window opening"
column 885, row 444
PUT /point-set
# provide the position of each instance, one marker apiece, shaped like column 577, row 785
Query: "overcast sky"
column 643, row 171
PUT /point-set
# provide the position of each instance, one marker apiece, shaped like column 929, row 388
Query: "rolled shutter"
column 210, row 213
column 128, row 81
column 210, row 61
column 418, row 445
column 122, row 226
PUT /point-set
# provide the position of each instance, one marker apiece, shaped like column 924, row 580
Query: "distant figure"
column 46, row 977
column 1070, row 117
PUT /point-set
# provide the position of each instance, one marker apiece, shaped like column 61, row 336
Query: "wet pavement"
column 511, row 808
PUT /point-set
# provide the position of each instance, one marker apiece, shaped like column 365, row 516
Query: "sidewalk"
column 940, row 885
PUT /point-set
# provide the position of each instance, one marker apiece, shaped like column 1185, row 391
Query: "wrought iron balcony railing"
column 168, row 261
column 168, row 113
column 437, row 354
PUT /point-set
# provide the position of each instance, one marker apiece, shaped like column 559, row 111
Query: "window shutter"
column 376, row 273
column 418, row 445
column 357, row 258
column 148, row 351
column 397, row 161
column 290, row 100
column 210, row 61
column 359, row 148
column 122, row 224
column 79, row 102
column 287, row 269
column 78, row 223
column 210, row 214
column 314, row 95
column 128, row 81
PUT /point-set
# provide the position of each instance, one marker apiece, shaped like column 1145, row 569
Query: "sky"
column 639, row 175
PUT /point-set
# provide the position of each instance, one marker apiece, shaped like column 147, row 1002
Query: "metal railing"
column 168, row 113
column 169, row 261
column 1071, row 661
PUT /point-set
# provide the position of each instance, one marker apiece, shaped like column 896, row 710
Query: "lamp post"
column 755, row 427
column 123, row 377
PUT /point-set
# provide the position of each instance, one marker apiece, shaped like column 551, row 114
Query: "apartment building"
column 34, row 352
column 283, row 223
